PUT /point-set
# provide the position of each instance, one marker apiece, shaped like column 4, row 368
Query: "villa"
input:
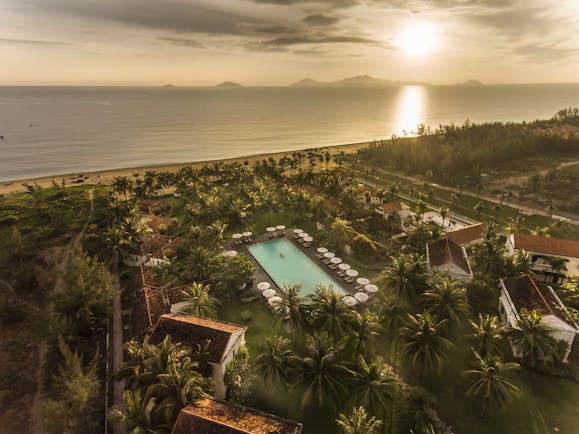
column 211, row 416
column 448, row 257
column 469, row 235
column 391, row 210
column 151, row 252
column 554, row 258
column 524, row 292
column 147, row 304
column 448, row 223
column 224, row 340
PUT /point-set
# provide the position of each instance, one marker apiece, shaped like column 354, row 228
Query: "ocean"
column 57, row 130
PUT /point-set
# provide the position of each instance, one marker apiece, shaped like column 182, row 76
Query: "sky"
column 277, row 42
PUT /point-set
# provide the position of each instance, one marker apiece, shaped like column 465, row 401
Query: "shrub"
column 163, row 229
column 246, row 316
column 9, row 219
column 363, row 245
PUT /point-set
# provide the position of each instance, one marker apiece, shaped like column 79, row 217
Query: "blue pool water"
column 285, row 263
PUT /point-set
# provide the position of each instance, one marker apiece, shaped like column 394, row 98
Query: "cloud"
column 34, row 42
column 328, row 3
column 545, row 51
column 275, row 30
column 184, row 42
column 320, row 20
column 328, row 39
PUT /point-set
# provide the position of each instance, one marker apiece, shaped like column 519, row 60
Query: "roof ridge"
column 540, row 294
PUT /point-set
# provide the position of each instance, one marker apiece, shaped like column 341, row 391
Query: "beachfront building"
column 552, row 258
column 151, row 252
column 525, row 292
column 469, row 235
column 447, row 257
column 221, row 417
column 225, row 340
column 448, row 223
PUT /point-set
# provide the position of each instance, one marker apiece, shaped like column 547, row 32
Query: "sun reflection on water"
column 409, row 110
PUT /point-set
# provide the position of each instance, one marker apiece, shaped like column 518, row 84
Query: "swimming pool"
column 285, row 263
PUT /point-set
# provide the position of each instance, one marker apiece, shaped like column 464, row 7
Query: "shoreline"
column 106, row 176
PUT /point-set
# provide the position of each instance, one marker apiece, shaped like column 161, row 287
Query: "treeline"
column 460, row 150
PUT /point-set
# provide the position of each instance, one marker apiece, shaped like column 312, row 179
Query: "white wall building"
column 448, row 257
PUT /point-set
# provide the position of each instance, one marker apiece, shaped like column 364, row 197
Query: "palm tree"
column 478, row 207
column 445, row 300
column 373, row 388
column 444, row 214
column 274, row 363
column 269, row 204
column 321, row 373
column 423, row 342
column 340, row 232
column 363, row 329
column 533, row 339
column 199, row 301
column 489, row 384
column 487, row 333
column 141, row 414
column 550, row 208
column 122, row 185
column 453, row 198
column 406, row 275
column 358, row 422
column 330, row 314
column 292, row 307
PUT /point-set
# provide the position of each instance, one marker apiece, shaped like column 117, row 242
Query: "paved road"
column 524, row 209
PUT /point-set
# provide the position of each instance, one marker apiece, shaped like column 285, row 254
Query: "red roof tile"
column 446, row 251
column 219, row 417
column 391, row 207
column 547, row 245
column 467, row 234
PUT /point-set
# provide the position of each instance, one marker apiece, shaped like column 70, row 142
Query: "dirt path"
column 39, row 397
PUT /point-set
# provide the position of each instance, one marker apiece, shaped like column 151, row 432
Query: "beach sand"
column 106, row 176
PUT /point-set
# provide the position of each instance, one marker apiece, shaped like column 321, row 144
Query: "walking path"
column 39, row 397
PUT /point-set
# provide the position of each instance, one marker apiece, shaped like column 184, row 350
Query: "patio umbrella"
column 362, row 281
column 236, row 236
column 329, row 255
column 361, row 297
column 298, row 231
column 268, row 293
column 270, row 229
column 262, row 286
column 322, row 250
column 308, row 239
column 336, row 260
column 280, row 227
column 344, row 267
column 351, row 273
column 274, row 300
column 349, row 301
column 247, row 234
column 230, row 253
column 371, row 288
column 304, row 235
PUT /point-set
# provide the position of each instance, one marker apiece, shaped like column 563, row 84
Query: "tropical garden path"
column 39, row 396
column 524, row 209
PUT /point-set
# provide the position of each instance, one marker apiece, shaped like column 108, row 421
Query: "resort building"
column 392, row 210
column 151, row 252
column 147, row 301
column 553, row 258
column 524, row 292
column 223, row 339
column 448, row 223
column 469, row 235
column 445, row 256
column 211, row 416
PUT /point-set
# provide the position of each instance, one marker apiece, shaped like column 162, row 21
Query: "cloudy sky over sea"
column 276, row 42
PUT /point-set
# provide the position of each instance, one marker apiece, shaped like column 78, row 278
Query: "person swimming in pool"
column 281, row 255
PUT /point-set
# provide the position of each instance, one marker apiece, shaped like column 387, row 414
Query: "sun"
column 419, row 40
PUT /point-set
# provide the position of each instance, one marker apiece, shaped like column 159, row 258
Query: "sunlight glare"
column 418, row 41
column 409, row 111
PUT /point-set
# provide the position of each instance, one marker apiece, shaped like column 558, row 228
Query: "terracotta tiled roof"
column 154, row 245
column 192, row 331
column 532, row 295
column 467, row 234
column 445, row 251
column 391, row 207
column 547, row 245
column 219, row 417
column 146, row 308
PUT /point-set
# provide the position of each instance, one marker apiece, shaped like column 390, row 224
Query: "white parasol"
column 236, row 236
column 247, row 234
column 268, row 293
column 344, row 267
column 274, row 300
column 280, row 227
column 329, row 255
column 322, row 250
column 361, row 297
column 230, row 253
column 270, row 229
column 304, row 235
column 308, row 239
column 349, row 301
column 371, row 288
column 336, row 260
column 351, row 273
column 362, row 281
column 298, row 231
column 262, row 286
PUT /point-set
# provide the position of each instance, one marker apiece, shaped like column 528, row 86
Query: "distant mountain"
column 308, row 82
column 471, row 83
column 356, row 81
column 229, row 84
column 169, row 85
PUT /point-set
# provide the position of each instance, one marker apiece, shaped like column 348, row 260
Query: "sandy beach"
column 106, row 176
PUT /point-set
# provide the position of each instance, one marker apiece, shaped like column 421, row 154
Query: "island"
column 229, row 84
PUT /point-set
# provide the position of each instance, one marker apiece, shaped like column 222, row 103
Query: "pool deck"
column 262, row 276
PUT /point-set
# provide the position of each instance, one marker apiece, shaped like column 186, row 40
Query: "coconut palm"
column 363, row 328
column 446, row 300
column 406, row 275
column 423, row 341
column 489, row 385
column 340, row 232
column 358, row 422
column 273, row 364
column 292, row 307
column 122, row 185
column 372, row 386
column 199, row 301
column 329, row 312
column 444, row 214
column 487, row 334
column 141, row 414
column 478, row 207
column 320, row 373
column 533, row 339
